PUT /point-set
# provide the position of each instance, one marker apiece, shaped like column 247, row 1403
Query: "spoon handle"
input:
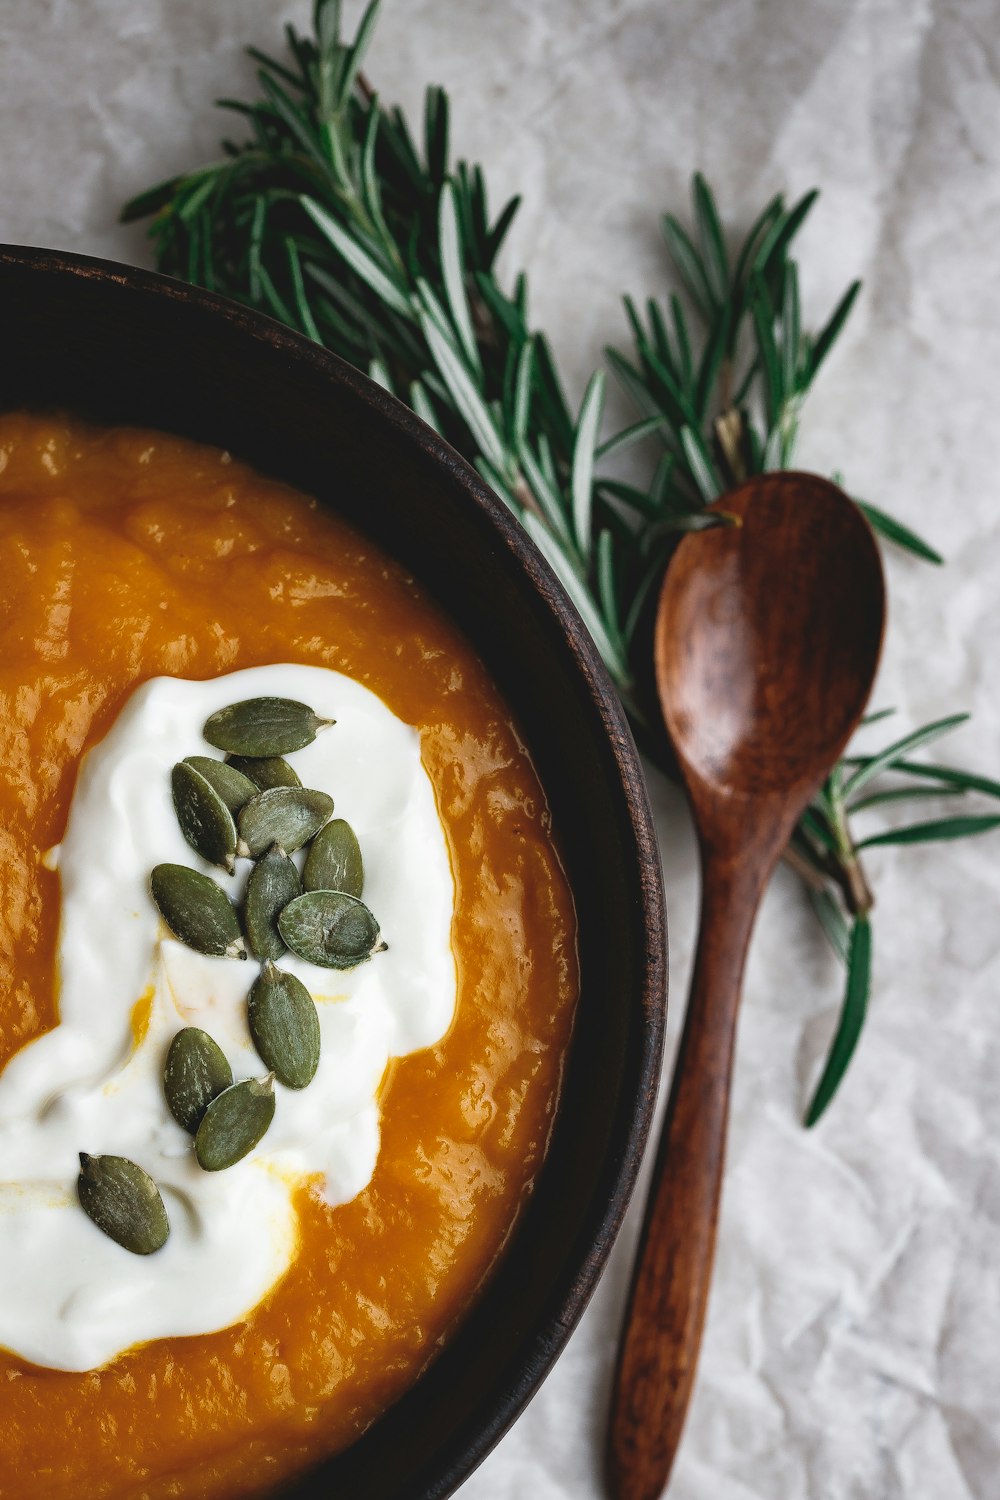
column 666, row 1312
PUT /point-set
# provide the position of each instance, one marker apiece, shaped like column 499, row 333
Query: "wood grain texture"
column 767, row 639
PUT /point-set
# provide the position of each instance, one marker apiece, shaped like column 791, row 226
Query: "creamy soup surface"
column 127, row 556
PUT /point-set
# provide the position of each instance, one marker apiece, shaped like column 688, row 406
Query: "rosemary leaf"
column 888, row 758
column 356, row 55
column 423, row 406
column 895, row 531
column 688, row 262
column 701, row 465
column 852, row 1019
column 571, row 583
column 831, row 332
column 906, row 794
column 966, row 781
column 832, row 921
column 462, row 389
column 582, row 480
column 762, row 311
column 359, row 259
column 453, row 273
column 713, row 244
column 933, row 832
column 783, row 229
column 523, row 386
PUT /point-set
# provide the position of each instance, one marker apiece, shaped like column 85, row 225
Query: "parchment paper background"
column 853, row 1345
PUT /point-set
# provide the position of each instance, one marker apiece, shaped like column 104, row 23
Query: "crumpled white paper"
column 853, row 1343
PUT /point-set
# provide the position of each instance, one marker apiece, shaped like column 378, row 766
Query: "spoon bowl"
column 766, row 638
column 768, row 634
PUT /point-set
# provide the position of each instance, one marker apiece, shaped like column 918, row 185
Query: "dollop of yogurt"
column 73, row 1299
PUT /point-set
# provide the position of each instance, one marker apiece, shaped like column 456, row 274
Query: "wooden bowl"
column 122, row 346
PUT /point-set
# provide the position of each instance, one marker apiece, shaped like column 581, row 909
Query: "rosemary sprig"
column 725, row 397
column 724, row 392
column 829, row 850
column 330, row 217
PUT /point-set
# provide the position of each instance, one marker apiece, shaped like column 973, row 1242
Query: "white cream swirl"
column 73, row 1299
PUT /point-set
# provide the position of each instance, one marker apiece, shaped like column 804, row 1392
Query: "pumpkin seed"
column 233, row 785
column 274, row 881
column 196, row 1071
column 334, row 861
column 124, row 1202
column 272, row 771
column 234, row 1123
column 331, row 929
column 205, row 820
column 285, row 815
column 263, row 727
column 197, row 911
column 284, row 1024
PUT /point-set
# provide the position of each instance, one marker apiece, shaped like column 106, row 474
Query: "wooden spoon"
column 767, row 639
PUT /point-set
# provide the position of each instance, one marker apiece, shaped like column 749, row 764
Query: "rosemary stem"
column 802, row 867
column 853, row 882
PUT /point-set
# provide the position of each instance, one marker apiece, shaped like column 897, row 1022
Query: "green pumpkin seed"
column 285, row 815
column 205, row 820
column 284, row 1024
column 197, row 911
column 263, row 727
column 124, row 1202
column 233, row 785
column 234, row 1123
column 274, row 881
column 331, row 929
column 272, row 771
column 196, row 1071
column 334, row 861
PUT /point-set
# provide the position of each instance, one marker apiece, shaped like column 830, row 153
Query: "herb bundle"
column 330, row 217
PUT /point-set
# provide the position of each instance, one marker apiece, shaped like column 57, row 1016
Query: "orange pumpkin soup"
column 126, row 555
